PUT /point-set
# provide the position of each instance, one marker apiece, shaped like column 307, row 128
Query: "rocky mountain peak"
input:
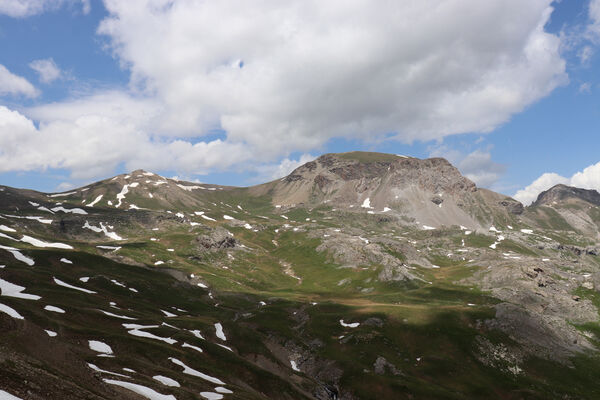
column 561, row 193
column 432, row 174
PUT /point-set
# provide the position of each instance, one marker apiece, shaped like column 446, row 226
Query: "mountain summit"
column 563, row 193
column 431, row 192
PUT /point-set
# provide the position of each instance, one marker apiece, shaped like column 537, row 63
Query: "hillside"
column 357, row 276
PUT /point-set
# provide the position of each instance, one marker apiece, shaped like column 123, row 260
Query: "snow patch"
column 190, row 371
column 64, row 284
column 10, row 311
column 39, row 243
column 11, row 290
column 141, row 390
column 99, row 347
column 166, row 381
column 54, row 309
column 219, row 331
column 352, row 325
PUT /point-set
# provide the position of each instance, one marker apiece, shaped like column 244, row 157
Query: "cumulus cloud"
column 15, row 84
column 288, row 76
column 47, row 70
column 544, row 182
column 594, row 16
column 283, row 77
column 93, row 145
column 269, row 172
column 478, row 165
column 588, row 178
column 27, row 8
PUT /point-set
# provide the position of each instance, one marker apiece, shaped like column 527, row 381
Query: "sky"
column 237, row 93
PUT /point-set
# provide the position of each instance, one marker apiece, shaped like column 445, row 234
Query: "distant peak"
column 560, row 193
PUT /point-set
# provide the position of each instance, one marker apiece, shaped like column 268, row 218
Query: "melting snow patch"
column 102, row 228
column 366, row 203
column 114, row 248
column 84, row 279
column 141, row 390
column 168, row 314
column 61, row 194
column 140, row 333
column 211, row 395
column 6, row 229
column 54, row 309
column 219, row 331
column 51, row 333
column 428, row 228
column 18, row 255
column 159, row 263
column 190, row 371
column 38, row 243
column 5, row 395
column 352, row 325
column 95, row 368
column 198, row 349
column 190, row 188
column 117, row 315
column 11, row 290
column 10, row 311
column 166, row 381
column 64, row 284
column 99, row 347
column 197, row 333
column 294, row 366
column 527, row 231
column 220, row 389
column 228, row 217
column 493, row 229
column 96, row 200
column 225, row 347
column 386, row 209
column 69, row 210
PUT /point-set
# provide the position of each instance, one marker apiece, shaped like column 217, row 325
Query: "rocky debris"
column 541, row 335
column 590, row 251
column 353, row 251
column 499, row 355
column 513, row 206
column 560, row 193
column 382, row 365
column 437, row 200
column 215, row 239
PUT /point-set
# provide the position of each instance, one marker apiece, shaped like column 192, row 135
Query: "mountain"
column 566, row 194
column 430, row 192
column 569, row 208
column 357, row 276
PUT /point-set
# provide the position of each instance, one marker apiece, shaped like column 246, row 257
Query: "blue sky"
column 508, row 93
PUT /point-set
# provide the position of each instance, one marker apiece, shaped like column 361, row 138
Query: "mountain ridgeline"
column 357, row 276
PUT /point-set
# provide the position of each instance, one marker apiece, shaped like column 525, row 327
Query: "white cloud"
column 269, row 172
column 589, row 178
column 47, row 70
column 93, row 145
column 15, row 84
column 27, row 8
column 282, row 77
column 594, row 16
column 544, row 182
column 287, row 76
column 585, row 87
column 478, row 165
